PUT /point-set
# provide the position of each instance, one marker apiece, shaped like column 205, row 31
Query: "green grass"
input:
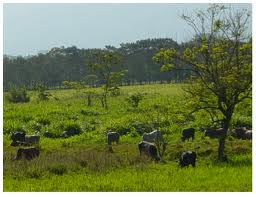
column 85, row 163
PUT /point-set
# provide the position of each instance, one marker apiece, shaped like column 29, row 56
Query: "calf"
column 27, row 153
column 149, row 149
column 187, row 134
column 187, row 158
column 112, row 137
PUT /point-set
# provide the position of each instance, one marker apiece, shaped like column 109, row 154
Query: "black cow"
column 248, row 135
column 215, row 133
column 112, row 137
column 149, row 149
column 187, row 158
column 239, row 132
column 188, row 133
column 48, row 134
column 19, row 143
column 27, row 153
column 18, row 136
column 69, row 133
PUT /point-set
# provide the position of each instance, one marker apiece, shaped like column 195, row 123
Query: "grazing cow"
column 18, row 136
column 153, row 136
column 32, row 139
column 19, row 143
column 69, row 133
column 188, row 133
column 215, row 133
column 48, row 134
column 149, row 149
column 27, row 153
column 248, row 135
column 239, row 132
column 187, row 158
column 112, row 137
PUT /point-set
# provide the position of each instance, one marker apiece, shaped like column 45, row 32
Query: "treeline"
column 70, row 64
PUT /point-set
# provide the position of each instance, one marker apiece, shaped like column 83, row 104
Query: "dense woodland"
column 70, row 63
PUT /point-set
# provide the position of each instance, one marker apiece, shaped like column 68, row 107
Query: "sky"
column 32, row 28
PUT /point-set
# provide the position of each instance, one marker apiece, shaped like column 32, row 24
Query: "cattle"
column 32, row 139
column 18, row 136
column 215, row 133
column 187, row 158
column 69, row 133
column 239, row 132
column 48, row 134
column 112, row 137
column 149, row 149
column 248, row 135
column 19, row 143
column 187, row 134
column 153, row 136
column 27, row 153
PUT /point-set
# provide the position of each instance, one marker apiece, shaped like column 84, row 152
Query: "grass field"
column 85, row 163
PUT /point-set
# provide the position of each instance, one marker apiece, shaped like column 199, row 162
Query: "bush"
column 42, row 93
column 142, row 127
column 114, row 91
column 18, row 95
column 72, row 127
column 134, row 99
column 122, row 128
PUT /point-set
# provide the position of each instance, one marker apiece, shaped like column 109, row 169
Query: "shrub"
column 42, row 93
column 72, row 126
column 142, row 127
column 114, row 91
column 134, row 99
column 17, row 95
column 121, row 128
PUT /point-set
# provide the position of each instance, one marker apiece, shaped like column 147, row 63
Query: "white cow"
column 153, row 136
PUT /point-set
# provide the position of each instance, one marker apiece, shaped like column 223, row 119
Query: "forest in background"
column 69, row 64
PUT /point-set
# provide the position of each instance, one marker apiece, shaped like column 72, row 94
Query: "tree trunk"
column 221, row 155
column 105, row 101
column 221, row 148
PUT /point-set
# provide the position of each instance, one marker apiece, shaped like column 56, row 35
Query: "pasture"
column 85, row 163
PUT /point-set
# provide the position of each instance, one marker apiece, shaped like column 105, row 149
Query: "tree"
column 220, row 63
column 106, row 64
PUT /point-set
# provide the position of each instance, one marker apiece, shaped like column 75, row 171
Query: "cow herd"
column 21, row 139
column 147, row 146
